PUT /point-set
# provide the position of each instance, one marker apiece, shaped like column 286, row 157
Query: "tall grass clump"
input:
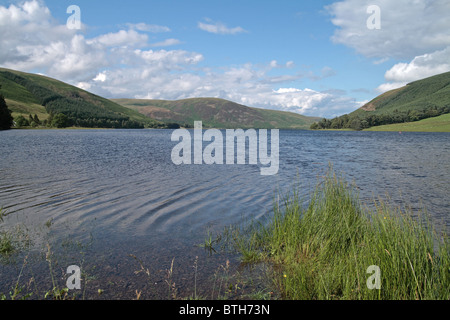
column 324, row 250
column 12, row 240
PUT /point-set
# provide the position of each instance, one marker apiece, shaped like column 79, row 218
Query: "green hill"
column 422, row 99
column 217, row 113
column 433, row 92
column 29, row 94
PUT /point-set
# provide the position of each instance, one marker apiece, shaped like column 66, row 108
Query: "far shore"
column 442, row 127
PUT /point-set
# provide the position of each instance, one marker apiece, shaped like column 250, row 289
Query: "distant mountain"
column 418, row 100
column 217, row 113
column 29, row 94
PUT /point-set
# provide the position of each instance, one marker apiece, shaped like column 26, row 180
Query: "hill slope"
column 418, row 100
column 27, row 94
column 433, row 92
column 217, row 113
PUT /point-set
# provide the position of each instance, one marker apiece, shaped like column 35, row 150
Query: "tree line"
column 368, row 120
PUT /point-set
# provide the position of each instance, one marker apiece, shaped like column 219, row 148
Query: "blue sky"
column 317, row 58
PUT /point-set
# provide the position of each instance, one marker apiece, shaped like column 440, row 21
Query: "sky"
column 316, row 58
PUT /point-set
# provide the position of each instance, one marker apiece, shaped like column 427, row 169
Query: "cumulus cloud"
column 414, row 32
column 408, row 28
column 100, row 77
column 121, row 38
column 309, row 102
column 219, row 28
column 28, row 28
column 420, row 67
column 121, row 65
column 32, row 40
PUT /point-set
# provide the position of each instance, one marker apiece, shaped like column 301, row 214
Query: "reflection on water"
column 122, row 187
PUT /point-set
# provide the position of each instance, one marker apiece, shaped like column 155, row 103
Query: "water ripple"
column 126, row 182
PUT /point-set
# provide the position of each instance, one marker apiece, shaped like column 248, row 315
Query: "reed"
column 323, row 250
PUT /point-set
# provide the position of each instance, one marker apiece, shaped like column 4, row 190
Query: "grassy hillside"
column 27, row 94
column 426, row 98
column 217, row 113
column 418, row 95
column 435, row 124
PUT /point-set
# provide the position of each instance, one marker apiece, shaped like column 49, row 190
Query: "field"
column 435, row 124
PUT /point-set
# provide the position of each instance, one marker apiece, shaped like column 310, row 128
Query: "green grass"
column 6, row 239
column 323, row 251
column 12, row 240
column 435, row 124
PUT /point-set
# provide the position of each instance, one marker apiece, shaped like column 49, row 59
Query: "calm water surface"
column 112, row 193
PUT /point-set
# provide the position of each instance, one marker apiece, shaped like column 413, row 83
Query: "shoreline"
column 373, row 129
column 323, row 251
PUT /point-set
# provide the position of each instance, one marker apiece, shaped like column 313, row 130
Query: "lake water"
column 100, row 196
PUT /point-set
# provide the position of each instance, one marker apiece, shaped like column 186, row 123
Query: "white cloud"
column 120, row 65
column 287, row 90
column 274, row 64
column 165, row 60
column 120, row 38
column 166, row 43
column 390, row 86
column 290, row 64
column 219, row 28
column 36, row 42
column 420, row 67
column 28, row 11
column 84, row 86
column 100, row 77
column 26, row 28
column 408, row 28
column 414, row 31
column 148, row 27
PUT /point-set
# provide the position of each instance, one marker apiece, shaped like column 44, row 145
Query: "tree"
column 355, row 124
column 173, row 126
column 22, row 122
column 36, row 119
column 60, row 121
column 336, row 123
column 364, row 124
column 6, row 120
